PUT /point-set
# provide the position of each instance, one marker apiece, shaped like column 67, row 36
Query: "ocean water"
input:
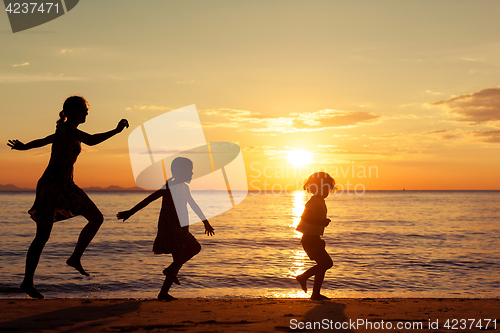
column 383, row 244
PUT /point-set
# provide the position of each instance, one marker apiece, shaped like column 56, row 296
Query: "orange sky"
column 409, row 89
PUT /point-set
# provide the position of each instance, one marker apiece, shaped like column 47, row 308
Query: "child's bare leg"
column 324, row 263
column 95, row 218
column 302, row 278
column 175, row 266
column 313, row 271
column 170, row 271
column 32, row 259
column 171, row 277
column 302, row 281
column 318, row 282
column 164, row 295
column 180, row 258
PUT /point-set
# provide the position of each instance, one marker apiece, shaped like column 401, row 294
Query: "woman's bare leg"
column 95, row 220
column 33, row 257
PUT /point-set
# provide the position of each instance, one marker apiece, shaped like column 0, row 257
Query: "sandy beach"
column 248, row 315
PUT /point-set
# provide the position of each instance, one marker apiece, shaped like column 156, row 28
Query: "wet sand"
column 247, row 315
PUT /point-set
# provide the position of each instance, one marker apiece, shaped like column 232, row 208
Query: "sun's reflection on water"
column 301, row 294
column 299, row 201
column 290, row 294
column 298, row 256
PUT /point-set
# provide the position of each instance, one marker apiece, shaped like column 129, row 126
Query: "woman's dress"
column 57, row 196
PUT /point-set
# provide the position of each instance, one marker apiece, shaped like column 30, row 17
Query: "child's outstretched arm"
column 194, row 206
column 18, row 145
column 149, row 199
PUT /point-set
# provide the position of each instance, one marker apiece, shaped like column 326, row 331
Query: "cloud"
column 20, row 65
column 215, row 124
column 333, row 118
column 476, row 108
column 266, row 150
column 74, row 50
column 237, row 115
column 37, row 78
column 454, row 137
column 373, row 151
column 492, row 136
column 436, row 131
column 443, row 134
column 408, row 105
column 248, row 120
column 150, row 107
column 295, row 122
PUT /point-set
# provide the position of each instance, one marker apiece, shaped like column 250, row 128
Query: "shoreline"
column 140, row 190
column 246, row 315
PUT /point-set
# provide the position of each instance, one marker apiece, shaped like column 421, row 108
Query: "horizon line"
column 117, row 188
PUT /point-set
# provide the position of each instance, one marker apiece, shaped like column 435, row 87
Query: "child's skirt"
column 175, row 241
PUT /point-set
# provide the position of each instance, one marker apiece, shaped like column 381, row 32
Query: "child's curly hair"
column 317, row 180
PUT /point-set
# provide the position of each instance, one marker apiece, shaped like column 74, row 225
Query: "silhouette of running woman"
column 312, row 224
column 57, row 196
column 173, row 224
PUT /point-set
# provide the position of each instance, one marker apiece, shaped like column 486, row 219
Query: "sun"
column 299, row 157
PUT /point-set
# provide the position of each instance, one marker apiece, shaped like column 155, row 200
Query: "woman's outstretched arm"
column 18, row 145
column 94, row 139
column 149, row 199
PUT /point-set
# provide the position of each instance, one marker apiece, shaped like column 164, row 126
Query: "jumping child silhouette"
column 173, row 224
column 312, row 225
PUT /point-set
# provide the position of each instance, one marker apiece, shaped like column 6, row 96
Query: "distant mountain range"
column 14, row 188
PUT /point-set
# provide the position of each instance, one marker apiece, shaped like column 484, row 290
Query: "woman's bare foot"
column 31, row 291
column 319, row 297
column 303, row 282
column 166, row 297
column 172, row 276
column 76, row 264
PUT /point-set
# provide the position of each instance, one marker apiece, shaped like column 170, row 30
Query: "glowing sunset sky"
column 409, row 87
